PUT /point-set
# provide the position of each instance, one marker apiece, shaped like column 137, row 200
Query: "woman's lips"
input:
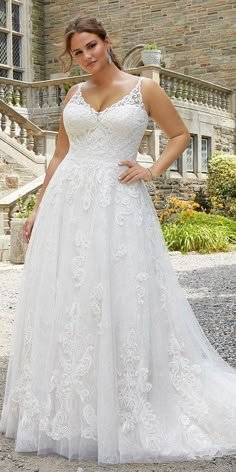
column 92, row 63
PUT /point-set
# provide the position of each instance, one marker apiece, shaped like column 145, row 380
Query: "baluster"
column 173, row 88
column 30, row 140
column 205, row 97
column 200, row 97
column 190, row 92
column 168, row 86
column 195, row 93
column 53, row 100
column 17, row 97
column 2, row 92
column 162, row 81
column 224, row 101
column 215, row 98
column 219, row 100
column 39, row 145
column 185, row 91
column 228, row 107
column 22, row 135
column 45, row 97
column 13, row 129
column 3, row 122
column 37, row 97
column 179, row 89
column 24, row 97
column 210, row 98
column 9, row 95
column 62, row 93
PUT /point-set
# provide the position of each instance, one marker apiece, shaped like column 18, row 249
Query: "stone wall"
column 197, row 37
column 37, row 29
column 161, row 190
column 225, row 140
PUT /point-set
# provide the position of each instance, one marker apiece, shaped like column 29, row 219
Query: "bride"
column 108, row 361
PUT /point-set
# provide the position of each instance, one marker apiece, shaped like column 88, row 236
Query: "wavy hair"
column 82, row 24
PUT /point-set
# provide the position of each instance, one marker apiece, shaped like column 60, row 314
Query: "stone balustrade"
column 36, row 145
column 195, row 91
column 51, row 93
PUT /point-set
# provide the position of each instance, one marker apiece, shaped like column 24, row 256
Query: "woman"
column 108, row 360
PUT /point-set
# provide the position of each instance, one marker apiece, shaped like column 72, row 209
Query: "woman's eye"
column 77, row 52
column 92, row 45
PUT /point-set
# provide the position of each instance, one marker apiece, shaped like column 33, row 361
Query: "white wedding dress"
column 108, row 362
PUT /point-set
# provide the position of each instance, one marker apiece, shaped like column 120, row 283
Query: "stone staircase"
column 12, row 175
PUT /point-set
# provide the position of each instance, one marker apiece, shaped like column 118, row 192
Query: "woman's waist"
column 98, row 160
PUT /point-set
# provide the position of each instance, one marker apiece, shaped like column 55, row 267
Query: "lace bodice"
column 112, row 134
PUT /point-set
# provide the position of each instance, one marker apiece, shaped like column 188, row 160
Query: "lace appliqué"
column 186, row 380
column 70, row 381
column 133, row 386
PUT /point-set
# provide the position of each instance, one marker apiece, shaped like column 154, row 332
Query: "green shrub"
column 222, row 182
column 201, row 232
column 25, row 206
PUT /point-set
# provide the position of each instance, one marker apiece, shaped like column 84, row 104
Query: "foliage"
column 187, row 227
column 149, row 47
column 222, row 182
column 222, row 176
column 25, row 206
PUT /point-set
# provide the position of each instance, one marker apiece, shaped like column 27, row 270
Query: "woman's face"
column 89, row 51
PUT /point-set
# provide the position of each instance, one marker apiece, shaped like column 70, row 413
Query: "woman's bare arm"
column 163, row 112
column 61, row 150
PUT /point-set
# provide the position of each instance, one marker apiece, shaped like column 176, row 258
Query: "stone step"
column 24, row 175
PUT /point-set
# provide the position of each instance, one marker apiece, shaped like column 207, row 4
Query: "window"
column 11, row 39
column 205, row 152
column 3, row 13
column 190, row 156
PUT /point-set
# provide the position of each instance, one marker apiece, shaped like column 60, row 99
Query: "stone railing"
column 191, row 90
column 34, row 144
column 51, row 93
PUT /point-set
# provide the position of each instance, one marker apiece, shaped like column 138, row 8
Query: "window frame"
column 9, row 67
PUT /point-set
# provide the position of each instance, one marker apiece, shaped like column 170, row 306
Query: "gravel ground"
column 209, row 282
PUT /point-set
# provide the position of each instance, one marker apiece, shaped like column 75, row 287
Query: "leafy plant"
column 187, row 227
column 149, row 47
column 203, row 233
column 25, row 206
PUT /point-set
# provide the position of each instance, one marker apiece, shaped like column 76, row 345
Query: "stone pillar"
column 18, row 245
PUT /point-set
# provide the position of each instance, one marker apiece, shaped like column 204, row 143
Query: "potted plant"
column 18, row 245
column 151, row 54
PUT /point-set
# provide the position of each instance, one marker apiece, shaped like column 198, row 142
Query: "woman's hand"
column 134, row 173
column 28, row 226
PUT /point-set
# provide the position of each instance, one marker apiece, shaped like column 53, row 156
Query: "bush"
column 222, row 182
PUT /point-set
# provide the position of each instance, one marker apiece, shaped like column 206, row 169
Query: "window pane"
column 204, row 155
column 15, row 17
column 3, row 13
column 189, row 156
column 3, row 73
column 17, row 75
column 3, row 48
column 16, row 51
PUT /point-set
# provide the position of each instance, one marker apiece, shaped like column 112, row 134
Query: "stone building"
column 198, row 72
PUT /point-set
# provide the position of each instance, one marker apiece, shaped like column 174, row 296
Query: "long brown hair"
column 82, row 24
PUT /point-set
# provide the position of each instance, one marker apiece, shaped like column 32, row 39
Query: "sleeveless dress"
column 108, row 362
